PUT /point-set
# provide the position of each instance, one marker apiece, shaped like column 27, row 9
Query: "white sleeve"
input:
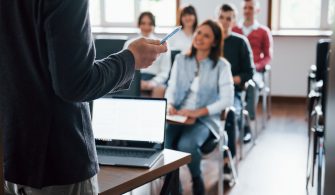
column 226, row 91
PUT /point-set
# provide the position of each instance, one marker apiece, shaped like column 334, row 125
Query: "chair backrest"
column 211, row 142
column 173, row 56
column 106, row 45
column 322, row 51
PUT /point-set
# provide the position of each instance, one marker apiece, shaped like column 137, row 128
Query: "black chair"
column 106, row 45
column 316, row 102
column 317, row 75
column 173, row 56
column 322, row 65
column 212, row 142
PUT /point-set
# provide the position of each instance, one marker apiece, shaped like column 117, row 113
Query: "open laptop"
column 129, row 131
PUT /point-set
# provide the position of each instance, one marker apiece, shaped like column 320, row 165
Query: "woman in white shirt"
column 155, row 76
column 188, row 20
column 200, row 87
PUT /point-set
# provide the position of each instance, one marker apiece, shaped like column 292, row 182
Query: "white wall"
column 292, row 59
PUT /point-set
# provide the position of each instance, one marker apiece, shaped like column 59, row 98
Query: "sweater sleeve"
column 267, row 49
column 164, row 68
column 226, row 91
column 172, row 88
column 75, row 74
column 247, row 62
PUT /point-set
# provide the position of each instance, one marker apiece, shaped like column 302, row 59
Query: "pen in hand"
column 170, row 35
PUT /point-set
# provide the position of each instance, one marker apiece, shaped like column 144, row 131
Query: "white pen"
column 170, row 35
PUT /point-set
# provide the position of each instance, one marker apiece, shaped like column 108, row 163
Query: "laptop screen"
column 129, row 119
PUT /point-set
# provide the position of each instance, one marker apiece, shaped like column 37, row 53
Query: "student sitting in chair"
column 157, row 74
column 238, row 52
column 200, row 87
column 182, row 41
column 259, row 36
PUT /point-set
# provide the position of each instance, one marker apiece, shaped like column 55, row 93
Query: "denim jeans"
column 188, row 138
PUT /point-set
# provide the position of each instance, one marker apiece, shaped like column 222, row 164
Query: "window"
column 302, row 14
column 331, row 12
column 124, row 13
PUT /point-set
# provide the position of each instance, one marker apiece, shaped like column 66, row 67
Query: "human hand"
column 146, row 51
column 237, row 80
column 171, row 110
column 148, row 85
column 188, row 113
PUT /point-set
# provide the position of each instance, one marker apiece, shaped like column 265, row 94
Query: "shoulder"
column 237, row 29
column 223, row 63
column 239, row 37
column 182, row 58
column 264, row 29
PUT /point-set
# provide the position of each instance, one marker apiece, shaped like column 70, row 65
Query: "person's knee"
column 189, row 146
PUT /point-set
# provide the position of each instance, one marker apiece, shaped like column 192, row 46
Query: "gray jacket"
column 216, row 87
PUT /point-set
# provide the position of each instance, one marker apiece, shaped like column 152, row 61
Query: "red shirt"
column 261, row 44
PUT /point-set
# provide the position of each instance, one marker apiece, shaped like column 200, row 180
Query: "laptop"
column 129, row 131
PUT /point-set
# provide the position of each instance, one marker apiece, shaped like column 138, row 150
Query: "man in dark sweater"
column 238, row 52
column 48, row 73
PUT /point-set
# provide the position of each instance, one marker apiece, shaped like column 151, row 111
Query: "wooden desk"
column 117, row 180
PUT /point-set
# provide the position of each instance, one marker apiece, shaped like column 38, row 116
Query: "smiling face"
column 227, row 19
column 203, row 39
column 146, row 26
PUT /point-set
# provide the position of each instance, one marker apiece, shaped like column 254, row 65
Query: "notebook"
column 129, row 131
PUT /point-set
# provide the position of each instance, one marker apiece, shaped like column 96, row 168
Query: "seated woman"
column 200, row 87
column 188, row 19
column 157, row 74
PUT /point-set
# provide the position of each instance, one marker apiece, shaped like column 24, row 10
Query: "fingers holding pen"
column 146, row 51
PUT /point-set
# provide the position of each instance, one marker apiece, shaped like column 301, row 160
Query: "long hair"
column 216, row 50
column 191, row 11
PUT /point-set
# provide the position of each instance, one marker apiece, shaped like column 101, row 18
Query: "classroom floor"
column 276, row 165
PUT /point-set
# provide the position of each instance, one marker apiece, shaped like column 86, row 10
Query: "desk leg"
column 171, row 183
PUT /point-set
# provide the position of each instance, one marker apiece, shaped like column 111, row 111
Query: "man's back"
column 47, row 73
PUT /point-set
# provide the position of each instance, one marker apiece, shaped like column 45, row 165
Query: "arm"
column 74, row 73
column 267, row 50
column 165, row 66
column 172, row 88
column 226, row 91
column 246, row 62
column 226, row 96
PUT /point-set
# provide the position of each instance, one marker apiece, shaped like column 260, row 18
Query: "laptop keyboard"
column 125, row 152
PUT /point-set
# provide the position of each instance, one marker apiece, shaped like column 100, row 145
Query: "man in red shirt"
column 259, row 36
column 261, row 43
